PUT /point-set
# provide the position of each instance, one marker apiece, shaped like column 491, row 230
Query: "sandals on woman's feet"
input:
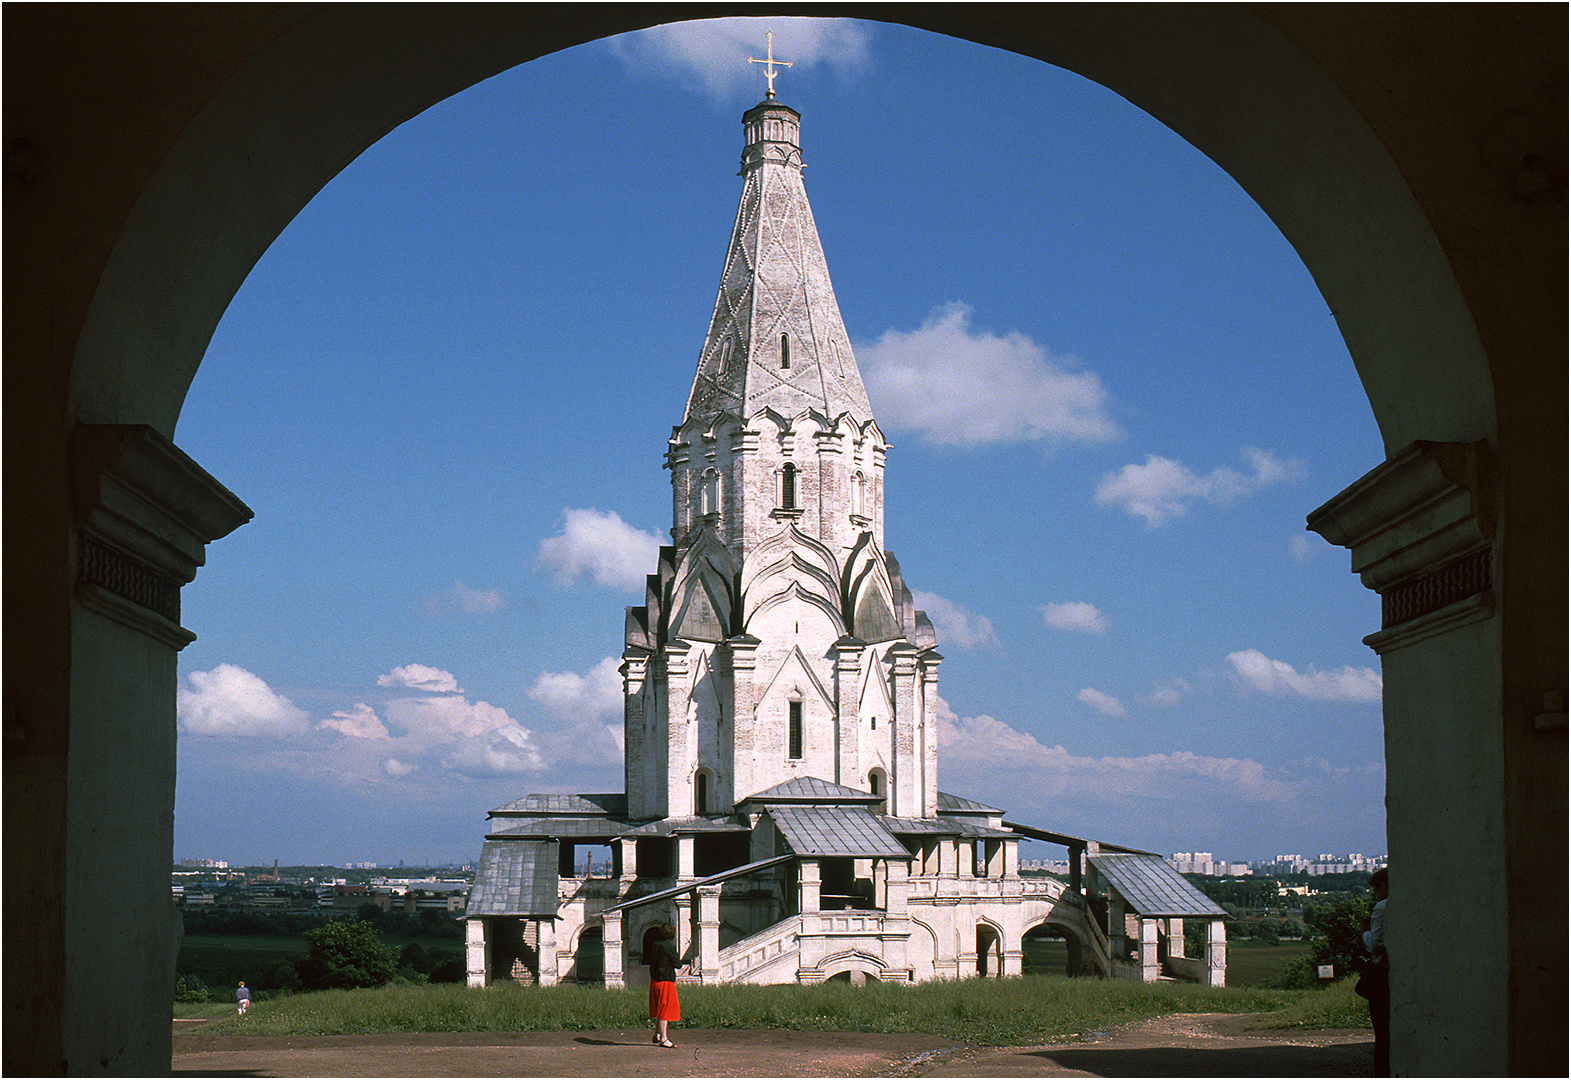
column 665, row 1042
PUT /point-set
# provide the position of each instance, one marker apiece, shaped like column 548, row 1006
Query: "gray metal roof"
column 954, row 804
column 613, row 804
column 515, row 877
column 943, row 826
column 1152, row 887
column 673, row 826
column 922, row 826
column 836, row 830
column 571, row 828
column 812, row 789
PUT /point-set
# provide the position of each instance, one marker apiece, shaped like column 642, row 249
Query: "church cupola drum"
column 778, row 640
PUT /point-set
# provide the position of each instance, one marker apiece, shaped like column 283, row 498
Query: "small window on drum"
column 785, row 351
column 788, row 486
column 701, row 793
column 794, row 725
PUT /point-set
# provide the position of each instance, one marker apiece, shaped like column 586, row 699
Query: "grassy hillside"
column 982, row 1011
column 1249, row 963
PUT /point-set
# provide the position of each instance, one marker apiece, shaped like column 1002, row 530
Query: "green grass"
column 981, row 1011
column 1254, row 963
column 1249, row 963
column 1335, row 1006
column 220, row 960
column 228, row 953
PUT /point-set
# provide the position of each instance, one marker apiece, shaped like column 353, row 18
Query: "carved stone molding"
column 1420, row 533
column 144, row 514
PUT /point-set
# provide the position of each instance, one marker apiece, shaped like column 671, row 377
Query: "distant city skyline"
column 446, row 391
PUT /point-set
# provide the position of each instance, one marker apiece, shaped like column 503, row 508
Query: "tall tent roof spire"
column 776, row 340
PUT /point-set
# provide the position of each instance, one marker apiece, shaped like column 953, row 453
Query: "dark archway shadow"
column 1343, row 1059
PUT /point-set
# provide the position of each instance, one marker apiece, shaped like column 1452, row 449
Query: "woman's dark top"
column 662, row 961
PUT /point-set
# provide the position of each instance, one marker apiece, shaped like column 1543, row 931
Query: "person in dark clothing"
column 1376, row 983
column 662, row 959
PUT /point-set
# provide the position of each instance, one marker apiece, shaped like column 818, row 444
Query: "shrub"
column 190, row 988
column 1338, row 941
column 449, row 971
column 346, row 955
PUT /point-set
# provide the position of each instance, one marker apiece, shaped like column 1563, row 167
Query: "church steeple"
column 778, row 639
column 776, row 340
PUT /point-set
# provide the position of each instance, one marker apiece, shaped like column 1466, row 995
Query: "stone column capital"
column 1420, row 528
column 144, row 514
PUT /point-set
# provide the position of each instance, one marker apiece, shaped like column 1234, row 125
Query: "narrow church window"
column 785, row 350
column 795, row 721
column 725, row 356
column 873, row 780
column 788, row 486
column 701, row 793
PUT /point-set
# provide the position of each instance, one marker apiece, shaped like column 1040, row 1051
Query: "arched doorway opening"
column 589, row 956
column 1052, row 949
column 239, row 142
column 989, row 951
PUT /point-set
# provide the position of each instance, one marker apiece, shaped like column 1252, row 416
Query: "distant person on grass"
column 242, row 1000
column 662, row 960
column 1376, row 982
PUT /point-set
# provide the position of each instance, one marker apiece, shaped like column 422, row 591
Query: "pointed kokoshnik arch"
column 1404, row 177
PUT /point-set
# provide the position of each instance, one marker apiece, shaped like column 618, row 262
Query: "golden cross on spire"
column 769, row 72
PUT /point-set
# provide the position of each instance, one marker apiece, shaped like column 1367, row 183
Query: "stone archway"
column 1076, row 960
column 155, row 153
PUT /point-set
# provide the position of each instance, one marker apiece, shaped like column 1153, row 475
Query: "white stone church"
column 782, row 806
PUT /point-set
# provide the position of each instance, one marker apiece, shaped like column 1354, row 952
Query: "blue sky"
column 1112, row 388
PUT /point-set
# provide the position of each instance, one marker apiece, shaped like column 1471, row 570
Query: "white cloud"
column 955, row 386
column 1163, row 489
column 462, row 600
column 1257, row 671
column 440, row 724
column 1168, row 692
column 955, row 626
column 230, row 700
column 1304, row 548
column 988, row 756
column 500, row 751
column 1075, row 615
column 394, row 767
column 421, row 677
column 605, row 547
column 711, row 55
column 1106, row 704
column 583, row 706
column 361, row 722
column 433, row 720
column 568, row 695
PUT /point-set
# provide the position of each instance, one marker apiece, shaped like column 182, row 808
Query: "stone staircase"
column 769, row 956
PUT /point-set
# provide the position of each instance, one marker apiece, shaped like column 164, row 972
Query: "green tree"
column 346, row 955
column 190, row 988
column 1338, row 924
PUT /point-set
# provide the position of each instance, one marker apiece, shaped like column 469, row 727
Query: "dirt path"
column 1184, row 1045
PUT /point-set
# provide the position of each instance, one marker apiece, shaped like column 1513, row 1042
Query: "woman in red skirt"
column 663, row 961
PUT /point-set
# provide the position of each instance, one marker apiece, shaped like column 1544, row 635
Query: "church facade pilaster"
column 744, row 717
column 905, row 794
column 848, row 719
column 679, row 761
